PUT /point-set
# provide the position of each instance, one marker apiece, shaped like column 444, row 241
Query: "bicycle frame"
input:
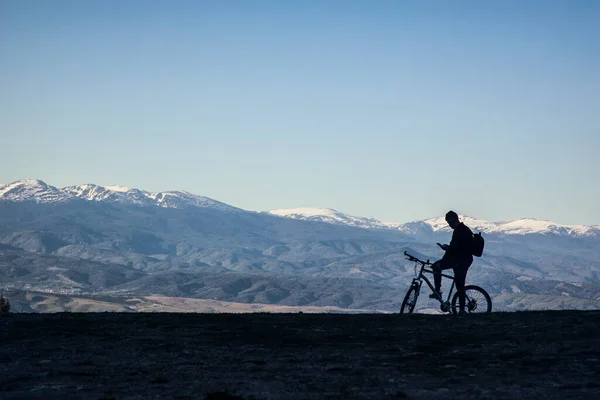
column 422, row 277
column 417, row 282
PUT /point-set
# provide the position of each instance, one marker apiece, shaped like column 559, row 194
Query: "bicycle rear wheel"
column 410, row 300
column 477, row 300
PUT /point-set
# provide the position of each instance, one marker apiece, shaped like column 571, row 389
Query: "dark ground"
column 534, row 355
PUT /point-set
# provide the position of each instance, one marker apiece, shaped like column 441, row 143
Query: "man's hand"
column 443, row 246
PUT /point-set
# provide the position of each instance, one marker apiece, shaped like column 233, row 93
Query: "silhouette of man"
column 458, row 256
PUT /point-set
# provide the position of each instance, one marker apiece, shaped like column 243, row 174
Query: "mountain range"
column 40, row 192
column 115, row 241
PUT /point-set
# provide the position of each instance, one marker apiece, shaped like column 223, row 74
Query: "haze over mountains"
column 111, row 240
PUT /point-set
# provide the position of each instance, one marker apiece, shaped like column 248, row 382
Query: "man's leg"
column 460, row 276
column 437, row 268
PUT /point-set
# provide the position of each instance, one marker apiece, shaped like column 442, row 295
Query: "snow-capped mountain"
column 180, row 198
column 328, row 215
column 526, row 226
column 32, row 190
column 92, row 192
column 40, row 192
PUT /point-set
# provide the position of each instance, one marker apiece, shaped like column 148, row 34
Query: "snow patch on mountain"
column 32, row 190
column 180, row 198
column 117, row 188
column 330, row 216
column 529, row 226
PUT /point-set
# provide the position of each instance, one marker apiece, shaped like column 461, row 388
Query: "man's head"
column 452, row 219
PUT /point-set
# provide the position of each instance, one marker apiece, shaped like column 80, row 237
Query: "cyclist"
column 458, row 256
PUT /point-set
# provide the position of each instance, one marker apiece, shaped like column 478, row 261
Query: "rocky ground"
column 541, row 355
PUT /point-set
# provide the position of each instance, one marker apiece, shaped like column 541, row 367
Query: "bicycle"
column 476, row 298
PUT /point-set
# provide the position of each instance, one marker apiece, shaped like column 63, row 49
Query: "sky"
column 395, row 110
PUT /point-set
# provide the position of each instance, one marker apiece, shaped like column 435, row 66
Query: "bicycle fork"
column 416, row 283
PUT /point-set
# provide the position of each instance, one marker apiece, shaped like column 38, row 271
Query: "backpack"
column 477, row 245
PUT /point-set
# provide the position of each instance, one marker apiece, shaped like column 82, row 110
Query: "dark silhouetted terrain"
column 541, row 355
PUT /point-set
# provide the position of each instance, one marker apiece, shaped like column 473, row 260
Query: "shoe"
column 436, row 294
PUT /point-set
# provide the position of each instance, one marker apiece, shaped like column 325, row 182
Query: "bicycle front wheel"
column 477, row 300
column 410, row 300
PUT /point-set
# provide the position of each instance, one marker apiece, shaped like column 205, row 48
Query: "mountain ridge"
column 39, row 191
column 521, row 226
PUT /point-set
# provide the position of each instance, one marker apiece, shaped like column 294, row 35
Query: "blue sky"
column 397, row 110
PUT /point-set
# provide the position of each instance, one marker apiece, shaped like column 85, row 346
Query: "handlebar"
column 415, row 259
